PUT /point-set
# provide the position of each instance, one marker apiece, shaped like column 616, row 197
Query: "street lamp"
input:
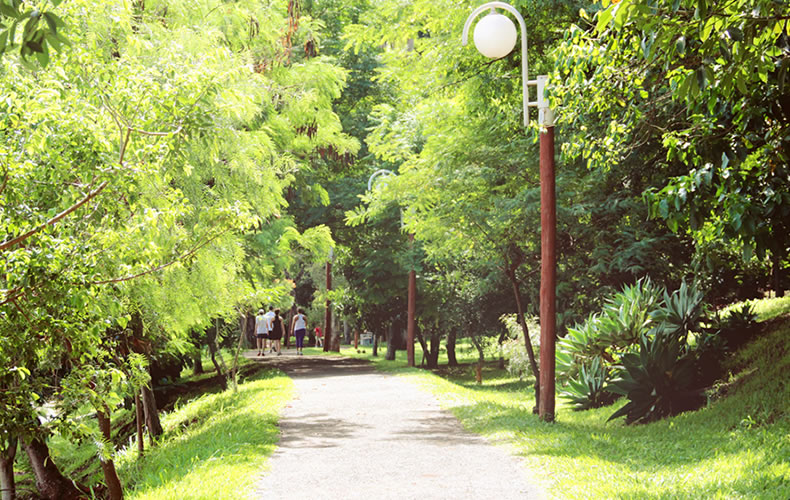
column 412, row 294
column 495, row 37
column 328, row 310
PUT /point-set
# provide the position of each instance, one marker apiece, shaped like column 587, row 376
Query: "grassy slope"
column 214, row 446
column 737, row 447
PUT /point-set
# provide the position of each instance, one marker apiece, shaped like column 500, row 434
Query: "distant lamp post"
column 412, row 290
column 495, row 37
column 328, row 311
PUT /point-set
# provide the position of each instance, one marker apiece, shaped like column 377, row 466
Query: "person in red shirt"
column 319, row 337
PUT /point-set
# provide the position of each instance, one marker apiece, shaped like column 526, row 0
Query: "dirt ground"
column 354, row 433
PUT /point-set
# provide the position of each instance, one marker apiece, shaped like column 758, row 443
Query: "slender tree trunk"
column 51, row 484
column 151, row 413
column 108, row 467
column 7, row 470
column 424, row 346
column 391, row 346
column 527, row 341
column 138, row 410
column 242, row 334
column 149, row 403
column 211, row 333
column 433, row 354
column 776, row 275
column 375, row 344
column 451, row 359
column 197, row 362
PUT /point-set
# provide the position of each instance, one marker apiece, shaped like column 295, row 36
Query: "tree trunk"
column 211, row 333
column 424, row 346
column 114, row 490
column 375, row 344
column 391, row 346
column 197, row 363
column 235, row 367
column 451, row 359
column 433, row 354
column 527, row 341
column 7, row 470
column 51, row 484
column 138, row 410
column 151, row 413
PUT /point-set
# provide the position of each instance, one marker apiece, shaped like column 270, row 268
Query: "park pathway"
column 354, row 433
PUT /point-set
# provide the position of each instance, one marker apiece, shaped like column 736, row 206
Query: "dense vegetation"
column 168, row 168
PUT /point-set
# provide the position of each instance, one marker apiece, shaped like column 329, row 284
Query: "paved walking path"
column 354, row 433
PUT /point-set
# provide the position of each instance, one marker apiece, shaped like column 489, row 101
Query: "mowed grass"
column 736, row 447
column 214, row 446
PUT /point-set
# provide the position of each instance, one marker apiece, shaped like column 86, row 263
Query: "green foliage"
column 589, row 389
column 32, row 27
column 681, row 312
column 657, row 381
column 626, row 317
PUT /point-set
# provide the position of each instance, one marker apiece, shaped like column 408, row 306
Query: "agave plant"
column 588, row 390
column 682, row 311
column 658, row 381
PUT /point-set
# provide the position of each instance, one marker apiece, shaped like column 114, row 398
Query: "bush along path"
column 352, row 432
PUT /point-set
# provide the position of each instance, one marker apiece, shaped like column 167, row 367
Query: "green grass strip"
column 737, row 447
column 214, row 447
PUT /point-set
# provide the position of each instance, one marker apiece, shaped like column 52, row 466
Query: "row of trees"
column 673, row 163
column 145, row 168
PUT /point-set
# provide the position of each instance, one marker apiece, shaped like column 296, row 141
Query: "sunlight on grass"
column 215, row 446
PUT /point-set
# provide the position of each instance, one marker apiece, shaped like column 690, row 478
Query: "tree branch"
column 87, row 198
column 192, row 251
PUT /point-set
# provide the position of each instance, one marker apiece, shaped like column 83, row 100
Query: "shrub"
column 658, row 381
column 626, row 317
column 588, row 389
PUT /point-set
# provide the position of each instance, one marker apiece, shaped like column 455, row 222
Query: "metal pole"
column 328, row 312
column 411, row 311
column 548, row 274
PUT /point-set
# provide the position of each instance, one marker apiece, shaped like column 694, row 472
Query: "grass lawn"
column 214, row 446
column 736, row 447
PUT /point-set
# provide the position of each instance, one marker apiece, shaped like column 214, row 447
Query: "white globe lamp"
column 495, row 36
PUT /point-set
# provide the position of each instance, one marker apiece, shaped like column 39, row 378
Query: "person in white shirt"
column 261, row 331
column 269, row 327
column 299, row 329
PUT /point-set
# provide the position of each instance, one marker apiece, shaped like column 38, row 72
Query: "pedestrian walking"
column 319, row 337
column 278, row 331
column 299, row 329
column 269, row 325
column 261, row 331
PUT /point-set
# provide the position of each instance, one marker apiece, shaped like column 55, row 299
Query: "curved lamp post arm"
column 377, row 173
column 524, row 64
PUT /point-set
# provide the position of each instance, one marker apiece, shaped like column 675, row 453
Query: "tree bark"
column 7, row 470
column 138, row 410
column 51, row 484
column 197, row 363
column 433, row 354
column 211, row 333
column 451, row 359
column 527, row 342
column 114, row 489
column 375, row 344
column 391, row 346
column 151, row 414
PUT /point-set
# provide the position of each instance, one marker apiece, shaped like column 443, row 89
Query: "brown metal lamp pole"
column 548, row 259
column 495, row 37
column 328, row 311
column 411, row 311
